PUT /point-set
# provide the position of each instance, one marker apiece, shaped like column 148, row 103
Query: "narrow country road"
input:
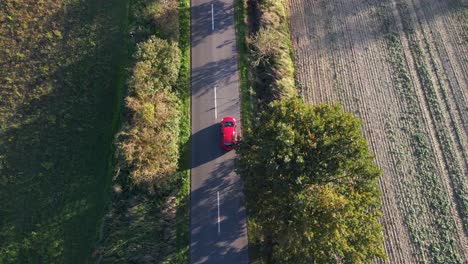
column 217, row 213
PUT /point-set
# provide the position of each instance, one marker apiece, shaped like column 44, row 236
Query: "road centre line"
column 216, row 105
column 212, row 18
column 219, row 223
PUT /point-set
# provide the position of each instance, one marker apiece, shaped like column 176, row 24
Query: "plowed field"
column 402, row 66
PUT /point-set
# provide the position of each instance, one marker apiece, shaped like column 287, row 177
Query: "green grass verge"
column 240, row 11
column 245, row 84
column 183, row 196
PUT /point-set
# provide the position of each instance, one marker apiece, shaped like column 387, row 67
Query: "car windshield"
column 228, row 124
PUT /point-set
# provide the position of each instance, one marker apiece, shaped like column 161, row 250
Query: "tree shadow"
column 211, row 243
column 201, row 25
column 225, row 43
column 218, row 73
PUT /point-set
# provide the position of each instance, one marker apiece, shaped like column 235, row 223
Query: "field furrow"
column 399, row 65
column 444, row 122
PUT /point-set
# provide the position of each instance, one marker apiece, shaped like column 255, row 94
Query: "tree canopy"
column 311, row 185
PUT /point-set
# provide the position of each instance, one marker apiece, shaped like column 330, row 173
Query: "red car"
column 228, row 133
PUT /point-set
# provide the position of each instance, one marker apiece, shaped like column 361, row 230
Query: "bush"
column 158, row 18
column 156, row 67
column 148, row 142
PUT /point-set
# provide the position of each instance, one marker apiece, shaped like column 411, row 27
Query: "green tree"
column 311, row 185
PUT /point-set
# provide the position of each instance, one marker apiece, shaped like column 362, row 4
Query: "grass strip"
column 183, row 195
column 245, row 83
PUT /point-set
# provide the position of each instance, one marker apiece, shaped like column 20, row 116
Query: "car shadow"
column 205, row 145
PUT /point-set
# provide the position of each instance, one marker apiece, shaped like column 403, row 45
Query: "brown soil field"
column 402, row 66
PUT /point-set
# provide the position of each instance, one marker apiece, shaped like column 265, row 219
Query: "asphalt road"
column 217, row 214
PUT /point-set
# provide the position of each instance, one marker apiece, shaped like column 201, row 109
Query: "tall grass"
column 270, row 52
column 182, row 217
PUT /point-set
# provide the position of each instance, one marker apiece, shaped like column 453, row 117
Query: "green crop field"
column 61, row 82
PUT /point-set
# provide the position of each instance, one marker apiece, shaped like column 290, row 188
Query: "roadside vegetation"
column 61, row 77
column 148, row 220
column 270, row 52
column 246, row 89
column 310, row 179
column 148, row 142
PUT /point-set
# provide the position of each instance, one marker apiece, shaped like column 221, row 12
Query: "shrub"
column 271, row 54
column 157, row 67
column 148, row 142
column 155, row 17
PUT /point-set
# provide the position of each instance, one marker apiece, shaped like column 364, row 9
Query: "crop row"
column 432, row 98
column 440, row 250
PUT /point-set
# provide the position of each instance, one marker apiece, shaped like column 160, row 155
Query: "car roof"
column 227, row 134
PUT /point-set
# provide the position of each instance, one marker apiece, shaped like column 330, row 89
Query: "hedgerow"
column 271, row 53
column 148, row 142
column 303, row 218
column 152, row 184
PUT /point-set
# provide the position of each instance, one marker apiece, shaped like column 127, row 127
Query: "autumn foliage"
column 311, row 185
column 148, row 142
